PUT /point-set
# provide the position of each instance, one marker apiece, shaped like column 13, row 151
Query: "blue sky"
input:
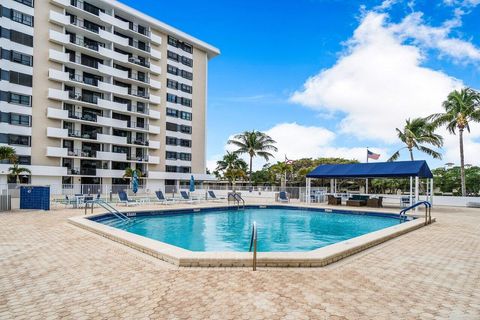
column 270, row 49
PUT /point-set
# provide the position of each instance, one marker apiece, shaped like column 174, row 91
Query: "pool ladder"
column 107, row 207
column 428, row 211
column 236, row 198
column 253, row 243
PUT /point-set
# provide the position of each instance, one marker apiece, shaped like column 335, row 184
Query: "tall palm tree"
column 461, row 108
column 415, row 134
column 8, row 153
column 17, row 171
column 254, row 143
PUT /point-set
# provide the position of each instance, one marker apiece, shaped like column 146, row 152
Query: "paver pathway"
column 50, row 269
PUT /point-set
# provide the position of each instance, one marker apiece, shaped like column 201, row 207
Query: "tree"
column 128, row 174
column 17, row 171
column 254, row 143
column 232, row 167
column 8, row 153
column 415, row 134
column 281, row 169
column 461, row 108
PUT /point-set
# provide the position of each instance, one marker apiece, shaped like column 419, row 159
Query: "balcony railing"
column 81, row 24
column 82, row 116
column 140, row 158
column 82, row 171
column 83, row 135
column 83, row 98
column 138, row 45
column 82, row 79
column 140, row 94
column 139, row 62
column 92, row 45
column 140, row 142
column 133, row 124
column 137, row 108
column 82, row 153
column 136, row 76
column 139, row 29
column 85, row 7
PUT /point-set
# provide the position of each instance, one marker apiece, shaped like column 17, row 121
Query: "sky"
column 329, row 78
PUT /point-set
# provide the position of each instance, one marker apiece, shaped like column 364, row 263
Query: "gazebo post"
column 307, row 190
column 417, row 183
column 331, row 186
column 431, row 191
column 411, row 190
column 366, row 186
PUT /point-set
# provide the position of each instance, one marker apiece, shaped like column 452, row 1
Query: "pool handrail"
column 428, row 211
column 253, row 242
column 107, row 207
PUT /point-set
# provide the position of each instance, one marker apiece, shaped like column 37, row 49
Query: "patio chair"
column 357, row 201
column 214, row 197
column 283, row 197
column 185, row 196
column 161, row 198
column 123, row 198
column 334, row 201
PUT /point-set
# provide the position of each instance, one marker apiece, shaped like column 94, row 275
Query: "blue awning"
column 396, row 169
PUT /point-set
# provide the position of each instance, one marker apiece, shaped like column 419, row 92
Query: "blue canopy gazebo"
column 396, row 169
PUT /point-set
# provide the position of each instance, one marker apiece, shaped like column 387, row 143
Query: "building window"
column 20, row 17
column 186, row 115
column 171, row 126
column 18, row 140
column 16, row 98
column 19, row 119
column 185, row 143
column 25, row 2
column 169, row 155
column 172, row 84
column 18, row 37
column 186, row 74
column 172, row 69
column 172, row 112
column 186, row 88
column 186, row 102
column 184, row 169
column 173, row 56
column 185, row 156
column 171, row 98
column 185, row 129
column 170, row 168
column 17, row 78
column 171, row 141
column 187, row 61
column 172, row 41
column 21, row 58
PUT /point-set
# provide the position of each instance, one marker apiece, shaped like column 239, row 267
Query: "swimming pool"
column 280, row 229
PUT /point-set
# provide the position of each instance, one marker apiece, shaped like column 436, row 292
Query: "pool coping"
column 186, row 258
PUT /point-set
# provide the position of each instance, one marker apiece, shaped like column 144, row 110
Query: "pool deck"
column 50, row 269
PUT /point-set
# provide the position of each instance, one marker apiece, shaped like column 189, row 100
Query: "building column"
column 307, row 190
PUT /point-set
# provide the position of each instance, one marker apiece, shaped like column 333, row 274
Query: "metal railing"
column 428, row 211
column 253, row 243
column 236, row 197
column 107, row 207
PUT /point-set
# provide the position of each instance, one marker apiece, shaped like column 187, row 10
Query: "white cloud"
column 379, row 83
column 414, row 27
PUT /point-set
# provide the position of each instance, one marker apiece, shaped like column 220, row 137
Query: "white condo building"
column 90, row 88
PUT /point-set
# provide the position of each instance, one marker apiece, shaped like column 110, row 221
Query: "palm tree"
column 281, row 169
column 8, row 153
column 254, row 143
column 128, row 174
column 17, row 171
column 232, row 167
column 461, row 108
column 415, row 134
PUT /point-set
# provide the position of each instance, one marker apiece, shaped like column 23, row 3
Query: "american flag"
column 287, row 161
column 372, row 155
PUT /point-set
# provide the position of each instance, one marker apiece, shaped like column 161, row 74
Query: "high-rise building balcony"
column 113, row 21
column 57, row 152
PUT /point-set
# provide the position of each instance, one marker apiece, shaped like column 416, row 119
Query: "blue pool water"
column 279, row 229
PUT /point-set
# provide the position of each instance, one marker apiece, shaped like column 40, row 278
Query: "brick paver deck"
column 50, row 269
